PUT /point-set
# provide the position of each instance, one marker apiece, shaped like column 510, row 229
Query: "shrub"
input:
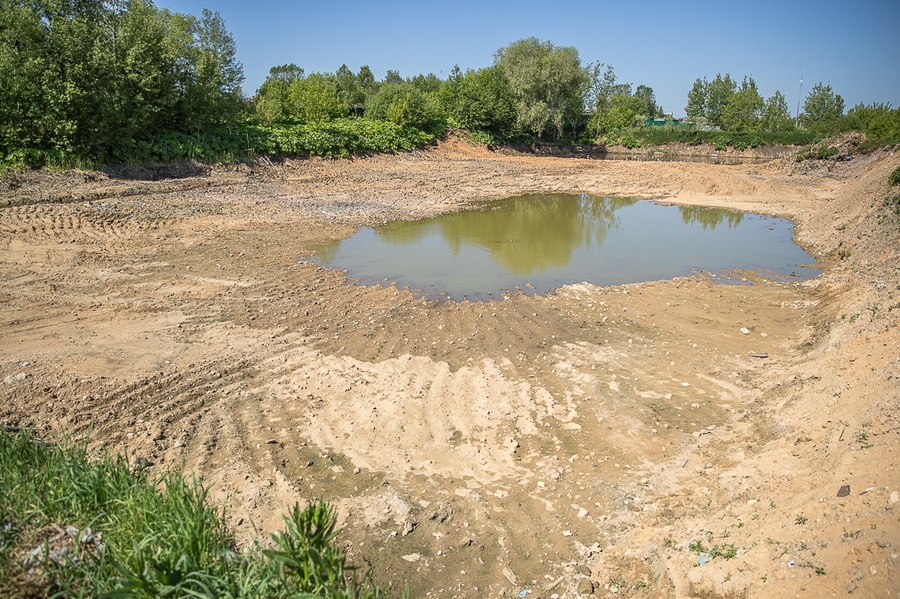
column 894, row 179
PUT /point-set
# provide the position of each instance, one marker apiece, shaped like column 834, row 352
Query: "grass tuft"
column 71, row 526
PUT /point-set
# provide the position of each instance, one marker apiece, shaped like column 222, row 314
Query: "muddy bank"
column 595, row 440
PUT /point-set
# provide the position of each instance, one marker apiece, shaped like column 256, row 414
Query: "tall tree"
column 645, row 93
column 351, row 92
column 547, row 82
column 213, row 83
column 315, row 99
column 822, row 109
column 720, row 91
column 403, row 104
column 480, row 100
column 776, row 116
column 698, row 98
column 273, row 104
column 743, row 108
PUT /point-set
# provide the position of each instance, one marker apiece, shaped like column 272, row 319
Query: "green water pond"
column 538, row 243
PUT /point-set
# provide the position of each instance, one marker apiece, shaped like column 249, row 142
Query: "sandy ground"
column 608, row 441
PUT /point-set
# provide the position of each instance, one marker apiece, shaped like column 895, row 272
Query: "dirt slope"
column 598, row 440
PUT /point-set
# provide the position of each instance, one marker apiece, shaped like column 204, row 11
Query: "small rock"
column 510, row 576
column 745, row 330
column 844, row 491
column 412, row 557
column 141, row 462
column 408, row 527
column 895, row 497
column 584, row 586
column 271, row 441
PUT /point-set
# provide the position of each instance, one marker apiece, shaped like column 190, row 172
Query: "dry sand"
column 576, row 443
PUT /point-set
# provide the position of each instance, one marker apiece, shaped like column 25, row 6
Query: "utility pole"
column 799, row 95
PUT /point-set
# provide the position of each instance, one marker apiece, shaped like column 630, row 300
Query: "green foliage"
column 144, row 536
column 646, row 94
column 719, row 95
column 481, row 101
column 341, row 138
column 826, row 151
column 307, row 558
column 894, row 178
column 78, row 79
column 404, row 104
column 657, row 136
column 697, row 101
column 879, row 122
column 316, row 99
column 743, row 108
column 273, row 103
column 726, row 550
column 547, row 82
column 776, row 116
column 822, row 109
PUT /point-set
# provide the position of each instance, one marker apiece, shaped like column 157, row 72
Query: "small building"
column 662, row 121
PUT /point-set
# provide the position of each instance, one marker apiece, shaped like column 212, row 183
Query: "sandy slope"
column 574, row 443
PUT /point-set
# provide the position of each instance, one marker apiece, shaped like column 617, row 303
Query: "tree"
column 352, row 94
column 315, row 99
column 698, row 98
column 547, row 82
column 822, row 109
column 651, row 108
column 480, row 100
column 403, row 104
column 212, row 82
column 602, row 87
column 426, row 83
column 624, row 111
column 719, row 92
column 743, row 108
column 878, row 121
column 392, row 77
column 366, row 80
column 776, row 116
column 273, row 97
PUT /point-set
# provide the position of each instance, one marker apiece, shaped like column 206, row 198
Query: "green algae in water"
column 538, row 243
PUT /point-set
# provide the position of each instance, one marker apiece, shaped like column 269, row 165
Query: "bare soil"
column 617, row 441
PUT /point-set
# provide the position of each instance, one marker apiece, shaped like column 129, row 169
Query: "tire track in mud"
column 71, row 223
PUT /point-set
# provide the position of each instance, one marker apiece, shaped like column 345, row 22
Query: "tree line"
column 121, row 80
column 96, row 78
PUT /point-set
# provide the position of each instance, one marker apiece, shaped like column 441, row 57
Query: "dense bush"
column 82, row 81
column 879, row 122
column 342, row 137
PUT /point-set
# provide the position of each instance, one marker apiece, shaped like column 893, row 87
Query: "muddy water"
column 537, row 243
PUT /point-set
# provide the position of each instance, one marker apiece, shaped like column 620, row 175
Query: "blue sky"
column 665, row 45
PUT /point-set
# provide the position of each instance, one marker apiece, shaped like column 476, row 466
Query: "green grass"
column 136, row 534
column 894, row 178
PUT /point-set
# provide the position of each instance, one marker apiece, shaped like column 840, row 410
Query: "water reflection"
column 710, row 218
column 540, row 242
column 526, row 234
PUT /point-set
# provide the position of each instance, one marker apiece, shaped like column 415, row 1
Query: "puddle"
column 537, row 243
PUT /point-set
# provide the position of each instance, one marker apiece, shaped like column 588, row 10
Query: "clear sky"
column 853, row 45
